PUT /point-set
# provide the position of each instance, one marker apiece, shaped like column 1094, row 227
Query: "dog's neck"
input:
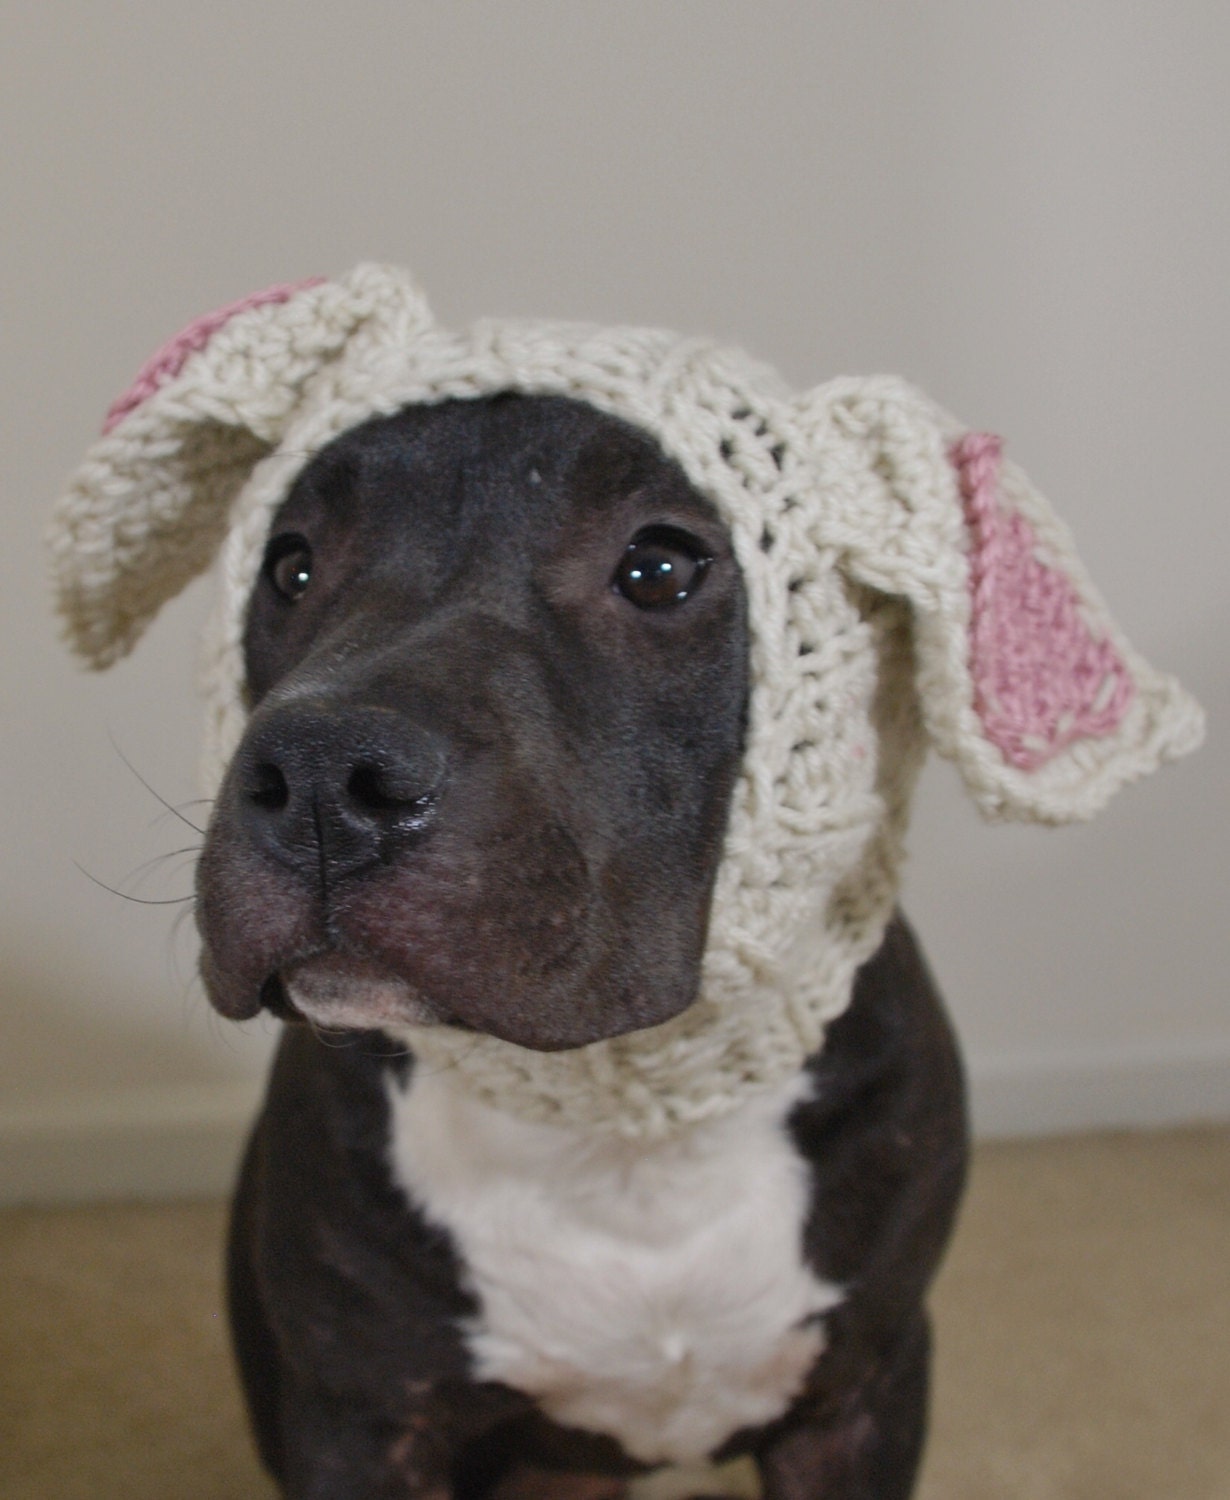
column 726, row 1047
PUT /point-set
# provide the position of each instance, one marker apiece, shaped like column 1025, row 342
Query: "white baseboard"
column 163, row 1143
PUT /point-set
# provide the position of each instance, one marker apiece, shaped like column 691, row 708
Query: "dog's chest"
column 653, row 1293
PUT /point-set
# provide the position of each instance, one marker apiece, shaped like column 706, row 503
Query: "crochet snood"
column 905, row 586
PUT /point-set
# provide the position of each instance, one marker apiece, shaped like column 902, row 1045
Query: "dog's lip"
column 341, row 990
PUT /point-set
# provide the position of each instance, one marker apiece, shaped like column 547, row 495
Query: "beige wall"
column 1022, row 207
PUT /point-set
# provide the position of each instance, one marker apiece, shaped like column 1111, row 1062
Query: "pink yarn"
column 1041, row 677
column 167, row 362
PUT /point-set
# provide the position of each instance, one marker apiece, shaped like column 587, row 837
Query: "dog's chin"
column 340, row 993
column 347, row 991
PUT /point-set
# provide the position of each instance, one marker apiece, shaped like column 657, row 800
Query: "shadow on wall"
column 1124, row 916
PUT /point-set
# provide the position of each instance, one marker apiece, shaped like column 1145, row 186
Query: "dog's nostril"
column 377, row 789
column 268, row 788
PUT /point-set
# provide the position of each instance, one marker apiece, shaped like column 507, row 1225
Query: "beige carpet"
column 1083, row 1326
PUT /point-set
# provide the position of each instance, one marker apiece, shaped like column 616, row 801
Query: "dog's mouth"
column 337, row 991
column 518, row 940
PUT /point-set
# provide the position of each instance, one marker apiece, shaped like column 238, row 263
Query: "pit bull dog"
column 498, row 661
column 569, row 686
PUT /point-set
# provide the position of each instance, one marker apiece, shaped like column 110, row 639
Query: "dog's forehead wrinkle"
column 334, row 469
column 518, row 445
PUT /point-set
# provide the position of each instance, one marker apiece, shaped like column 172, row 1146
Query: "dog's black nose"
column 330, row 788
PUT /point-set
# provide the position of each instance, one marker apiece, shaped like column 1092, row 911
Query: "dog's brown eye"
column 288, row 565
column 660, row 568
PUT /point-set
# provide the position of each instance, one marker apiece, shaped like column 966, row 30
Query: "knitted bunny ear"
column 1023, row 678
column 147, row 510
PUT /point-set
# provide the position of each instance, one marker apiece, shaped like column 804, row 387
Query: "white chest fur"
column 653, row 1293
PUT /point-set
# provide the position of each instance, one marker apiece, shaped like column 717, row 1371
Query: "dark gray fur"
column 474, row 763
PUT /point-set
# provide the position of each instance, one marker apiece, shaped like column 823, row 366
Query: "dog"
column 570, row 686
column 498, row 658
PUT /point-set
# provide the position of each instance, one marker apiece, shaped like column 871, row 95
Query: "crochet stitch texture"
column 905, row 586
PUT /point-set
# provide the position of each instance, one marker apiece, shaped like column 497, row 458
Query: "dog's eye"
column 661, row 567
column 288, row 565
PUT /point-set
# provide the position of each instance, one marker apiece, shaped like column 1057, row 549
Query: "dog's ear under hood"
column 1023, row 678
column 148, row 509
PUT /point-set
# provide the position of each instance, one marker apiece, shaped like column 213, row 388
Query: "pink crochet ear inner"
column 1042, row 679
column 165, row 363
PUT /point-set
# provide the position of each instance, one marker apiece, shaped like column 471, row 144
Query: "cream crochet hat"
column 906, row 586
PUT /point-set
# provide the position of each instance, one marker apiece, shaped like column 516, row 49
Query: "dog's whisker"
column 158, row 797
column 176, row 928
column 149, row 865
column 177, row 811
column 335, row 1038
column 439, row 1067
column 126, row 896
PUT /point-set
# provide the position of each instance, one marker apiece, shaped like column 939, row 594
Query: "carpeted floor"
column 1083, row 1329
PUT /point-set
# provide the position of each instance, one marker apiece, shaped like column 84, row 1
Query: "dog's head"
column 496, row 658
column 480, row 775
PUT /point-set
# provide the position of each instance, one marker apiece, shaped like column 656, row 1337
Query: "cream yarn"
column 904, row 587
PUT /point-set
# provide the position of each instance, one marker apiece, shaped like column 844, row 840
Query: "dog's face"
column 497, row 665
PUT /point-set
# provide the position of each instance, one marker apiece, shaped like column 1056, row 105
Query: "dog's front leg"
column 870, row 1448
column 334, row 1452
